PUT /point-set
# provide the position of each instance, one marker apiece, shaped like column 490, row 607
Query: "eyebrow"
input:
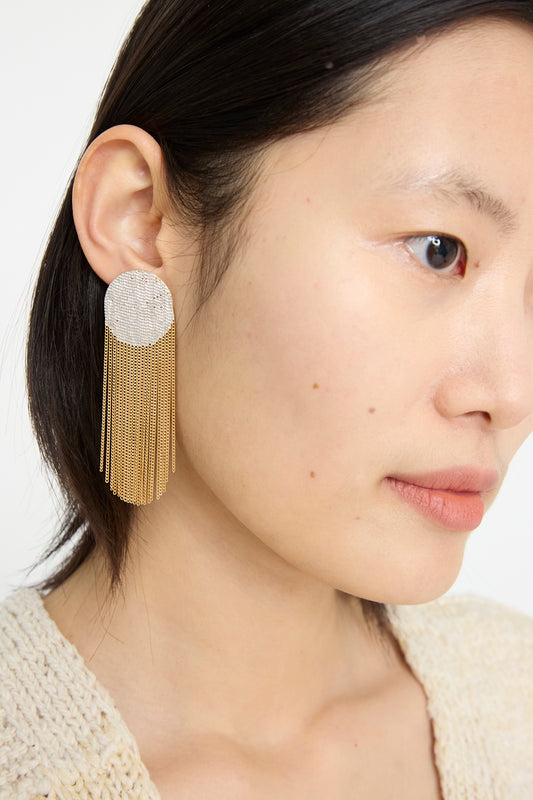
column 456, row 185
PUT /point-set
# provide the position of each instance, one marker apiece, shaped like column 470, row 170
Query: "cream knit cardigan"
column 62, row 737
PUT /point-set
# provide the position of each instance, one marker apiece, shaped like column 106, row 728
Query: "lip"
column 452, row 497
column 455, row 479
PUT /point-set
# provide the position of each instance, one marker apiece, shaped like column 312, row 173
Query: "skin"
column 330, row 357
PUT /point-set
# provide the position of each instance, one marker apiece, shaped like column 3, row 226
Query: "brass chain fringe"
column 138, row 417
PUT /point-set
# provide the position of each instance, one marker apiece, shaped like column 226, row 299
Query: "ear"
column 119, row 202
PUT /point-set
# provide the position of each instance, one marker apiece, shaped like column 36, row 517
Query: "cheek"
column 296, row 398
column 296, row 385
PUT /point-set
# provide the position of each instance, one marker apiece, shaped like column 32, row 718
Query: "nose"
column 489, row 374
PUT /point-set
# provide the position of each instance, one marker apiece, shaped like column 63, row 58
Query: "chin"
column 414, row 584
column 417, row 591
column 413, row 597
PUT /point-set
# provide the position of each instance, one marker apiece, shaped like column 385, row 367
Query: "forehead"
column 465, row 81
column 456, row 104
column 464, row 97
column 488, row 51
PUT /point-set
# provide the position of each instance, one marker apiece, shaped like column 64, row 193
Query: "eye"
column 443, row 254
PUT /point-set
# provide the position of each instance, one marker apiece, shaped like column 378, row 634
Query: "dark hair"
column 214, row 82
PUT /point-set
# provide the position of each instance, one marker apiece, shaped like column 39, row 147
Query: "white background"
column 54, row 58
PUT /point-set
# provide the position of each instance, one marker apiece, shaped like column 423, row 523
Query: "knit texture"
column 62, row 737
column 474, row 658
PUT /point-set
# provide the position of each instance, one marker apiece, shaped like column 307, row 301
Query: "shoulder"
column 22, row 638
column 471, row 639
column 474, row 658
column 21, row 641
column 458, row 615
column 469, row 624
column 22, row 681
column 60, row 733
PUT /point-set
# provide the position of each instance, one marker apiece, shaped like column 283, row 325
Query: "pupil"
column 441, row 252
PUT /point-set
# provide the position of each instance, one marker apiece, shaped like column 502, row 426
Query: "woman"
column 277, row 427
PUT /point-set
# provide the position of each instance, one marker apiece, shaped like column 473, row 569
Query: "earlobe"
column 115, row 206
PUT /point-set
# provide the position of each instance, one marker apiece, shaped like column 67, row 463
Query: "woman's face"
column 377, row 322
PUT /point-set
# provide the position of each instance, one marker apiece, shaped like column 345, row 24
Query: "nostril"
column 485, row 415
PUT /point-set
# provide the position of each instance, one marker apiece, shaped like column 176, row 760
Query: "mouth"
column 451, row 498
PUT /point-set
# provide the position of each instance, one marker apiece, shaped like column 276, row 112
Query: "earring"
column 139, row 394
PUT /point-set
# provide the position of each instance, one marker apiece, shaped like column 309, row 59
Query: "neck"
column 214, row 629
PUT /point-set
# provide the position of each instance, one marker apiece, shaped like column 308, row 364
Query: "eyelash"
column 438, row 241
